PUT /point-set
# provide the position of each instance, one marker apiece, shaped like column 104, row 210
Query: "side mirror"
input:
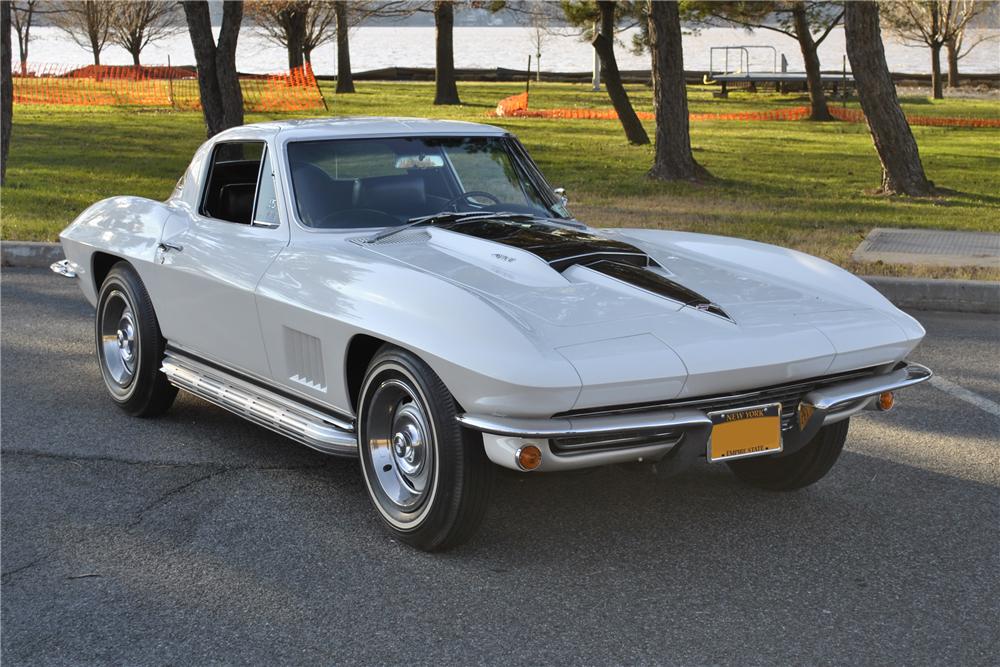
column 561, row 193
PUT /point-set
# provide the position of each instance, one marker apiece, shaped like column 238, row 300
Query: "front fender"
column 126, row 227
column 492, row 362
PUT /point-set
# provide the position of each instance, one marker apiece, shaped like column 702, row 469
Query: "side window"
column 232, row 181
column 265, row 211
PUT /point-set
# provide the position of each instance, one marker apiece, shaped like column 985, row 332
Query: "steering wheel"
column 373, row 216
column 465, row 196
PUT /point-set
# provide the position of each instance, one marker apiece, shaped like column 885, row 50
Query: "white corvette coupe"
column 414, row 293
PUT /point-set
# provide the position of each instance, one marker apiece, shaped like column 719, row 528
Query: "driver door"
column 210, row 269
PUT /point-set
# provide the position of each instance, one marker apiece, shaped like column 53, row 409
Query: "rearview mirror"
column 419, row 162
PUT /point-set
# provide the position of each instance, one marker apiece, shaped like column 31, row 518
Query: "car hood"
column 689, row 314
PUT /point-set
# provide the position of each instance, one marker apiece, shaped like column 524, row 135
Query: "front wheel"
column 795, row 471
column 429, row 479
column 130, row 346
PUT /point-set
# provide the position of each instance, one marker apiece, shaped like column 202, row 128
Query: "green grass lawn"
column 798, row 184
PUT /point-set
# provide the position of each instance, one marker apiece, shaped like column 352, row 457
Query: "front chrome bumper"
column 678, row 436
column 64, row 267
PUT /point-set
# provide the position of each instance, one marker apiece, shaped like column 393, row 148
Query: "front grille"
column 789, row 395
column 584, row 445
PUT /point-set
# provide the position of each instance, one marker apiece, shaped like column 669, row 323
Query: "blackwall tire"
column 130, row 346
column 429, row 479
column 799, row 470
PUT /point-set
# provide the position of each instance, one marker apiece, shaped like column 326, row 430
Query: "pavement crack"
column 217, row 472
column 170, row 493
column 80, row 458
column 5, row 576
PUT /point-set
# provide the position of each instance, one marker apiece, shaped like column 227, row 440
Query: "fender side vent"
column 304, row 359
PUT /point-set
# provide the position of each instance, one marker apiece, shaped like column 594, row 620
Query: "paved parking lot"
column 198, row 537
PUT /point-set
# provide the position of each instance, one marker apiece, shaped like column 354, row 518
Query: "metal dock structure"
column 731, row 67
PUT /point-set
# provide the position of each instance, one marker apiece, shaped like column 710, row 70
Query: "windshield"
column 384, row 182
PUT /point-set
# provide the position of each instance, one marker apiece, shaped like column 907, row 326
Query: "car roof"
column 343, row 127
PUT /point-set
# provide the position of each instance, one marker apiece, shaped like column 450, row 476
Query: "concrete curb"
column 959, row 296
column 29, row 254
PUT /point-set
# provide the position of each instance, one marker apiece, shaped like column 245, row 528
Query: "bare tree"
column 673, row 159
column 218, row 81
column 300, row 26
column 22, row 16
column 957, row 47
column 539, row 35
column 936, row 24
column 321, row 27
column 902, row 171
column 809, row 23
column 6, row 90
column 87, row 22
column 138, row 23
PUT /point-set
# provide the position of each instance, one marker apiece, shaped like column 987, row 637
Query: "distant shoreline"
column 902, row 79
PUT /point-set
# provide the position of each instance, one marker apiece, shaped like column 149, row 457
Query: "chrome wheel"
column 399, row 456
column 119, row 339
column 428, row 478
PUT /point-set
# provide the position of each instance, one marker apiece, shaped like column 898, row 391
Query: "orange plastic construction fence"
column 157, row 86
column 517, row 105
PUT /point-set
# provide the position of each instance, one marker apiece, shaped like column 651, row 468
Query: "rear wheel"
column 129, row 345
column 795, row 471
column 429, row 479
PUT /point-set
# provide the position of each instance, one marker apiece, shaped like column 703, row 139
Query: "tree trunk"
column 902, row 171
column 225, row 63
column 604, row 46
column 814, row 80
column 307, row 56
column 296, row 34
column 218, row 82
column 672, row 159
column 345, row 78
column 22, row 52
column 445, row 87
column 95, row 47
column 6, row 89
column 952, row 46
column 936, row 83
column 135, row 58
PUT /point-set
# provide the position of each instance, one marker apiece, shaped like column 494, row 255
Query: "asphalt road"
column 199, row 538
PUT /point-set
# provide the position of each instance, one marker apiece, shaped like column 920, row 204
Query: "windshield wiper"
column 452, row 216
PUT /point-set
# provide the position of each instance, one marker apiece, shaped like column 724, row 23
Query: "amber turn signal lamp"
column 528, row 457
column 805, row 414
column 886, row 400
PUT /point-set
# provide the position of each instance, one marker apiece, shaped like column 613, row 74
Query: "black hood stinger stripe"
column 656, row 284
column 562, row 248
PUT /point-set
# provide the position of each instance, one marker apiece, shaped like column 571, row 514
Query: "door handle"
column 164, row 246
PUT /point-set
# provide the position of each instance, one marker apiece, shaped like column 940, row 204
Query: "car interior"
column 232, row 182
column 326, row 202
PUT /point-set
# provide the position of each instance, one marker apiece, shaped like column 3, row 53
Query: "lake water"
column 482, row 47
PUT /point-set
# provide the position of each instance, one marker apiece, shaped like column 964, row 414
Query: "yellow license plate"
column 737, row 434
